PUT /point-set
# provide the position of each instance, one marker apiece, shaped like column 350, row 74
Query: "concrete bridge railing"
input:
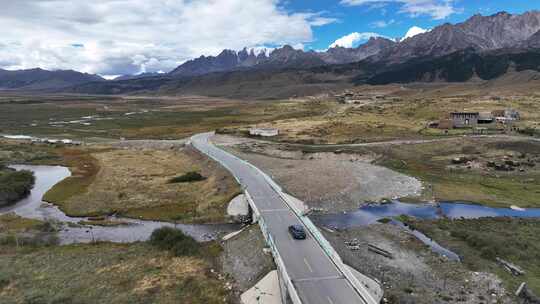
column 282, row 270
column 359, row 286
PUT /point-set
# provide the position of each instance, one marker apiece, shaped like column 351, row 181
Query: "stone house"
column 464, row 119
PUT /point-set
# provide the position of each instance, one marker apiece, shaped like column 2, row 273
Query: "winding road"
column 315, row 276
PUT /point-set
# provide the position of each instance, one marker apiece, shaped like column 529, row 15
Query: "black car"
column 297, row 232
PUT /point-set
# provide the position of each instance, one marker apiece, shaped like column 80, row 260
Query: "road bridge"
column 310, row 271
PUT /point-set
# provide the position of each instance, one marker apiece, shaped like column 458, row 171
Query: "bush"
column 14, row 185
column 384, row 220
column 174, row 240
column 188, row 177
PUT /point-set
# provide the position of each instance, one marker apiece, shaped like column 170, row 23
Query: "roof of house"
column 485, row 115
column 465, row 113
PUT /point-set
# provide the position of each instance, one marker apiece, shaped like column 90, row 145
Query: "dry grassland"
column 135, row 183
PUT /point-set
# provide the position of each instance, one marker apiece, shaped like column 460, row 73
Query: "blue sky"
column 389, row 18
column 115, row 37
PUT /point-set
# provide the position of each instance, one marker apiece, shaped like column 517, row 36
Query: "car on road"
column 297, row 232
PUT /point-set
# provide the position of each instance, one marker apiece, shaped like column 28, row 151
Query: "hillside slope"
column 460, row 66
column 38, row 79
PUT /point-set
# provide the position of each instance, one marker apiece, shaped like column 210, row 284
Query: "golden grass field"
column 135, row 183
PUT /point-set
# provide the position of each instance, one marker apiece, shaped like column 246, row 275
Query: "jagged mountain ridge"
column 481, row 33
column 284, row 57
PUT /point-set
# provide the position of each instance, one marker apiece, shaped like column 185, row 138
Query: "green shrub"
column 188, row 177
column 174, row 240
column 384, row 220
column 14, row 185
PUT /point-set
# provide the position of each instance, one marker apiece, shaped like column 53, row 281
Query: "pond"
column 72, row 232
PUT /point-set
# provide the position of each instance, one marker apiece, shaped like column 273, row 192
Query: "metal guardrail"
column 321, row 240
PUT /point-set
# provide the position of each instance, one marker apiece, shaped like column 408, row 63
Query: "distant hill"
column 38, row 79
column 145, row 85
column 137, row 76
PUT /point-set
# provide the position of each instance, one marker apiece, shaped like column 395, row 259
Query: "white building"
column 264, row 132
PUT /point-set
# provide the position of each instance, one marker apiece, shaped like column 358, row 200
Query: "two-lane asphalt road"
column 316, row 278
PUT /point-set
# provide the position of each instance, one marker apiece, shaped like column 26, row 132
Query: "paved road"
column 316, row 278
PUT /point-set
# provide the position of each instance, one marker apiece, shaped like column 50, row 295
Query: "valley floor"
column 112, row 173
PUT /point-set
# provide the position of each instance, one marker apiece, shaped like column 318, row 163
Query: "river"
column 34, row 207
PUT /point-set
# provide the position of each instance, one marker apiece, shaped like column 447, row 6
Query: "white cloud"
column 133, row 36
column 352, row 39
column 437, row 9
column 317, row 19
column 413, row 31
column 382, row 23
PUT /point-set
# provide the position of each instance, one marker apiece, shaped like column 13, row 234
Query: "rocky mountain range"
column 482, row 47
column 284, row 57
column 480, row 33
column 502, row 30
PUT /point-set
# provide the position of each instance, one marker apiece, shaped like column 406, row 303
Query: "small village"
column 478, row 121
